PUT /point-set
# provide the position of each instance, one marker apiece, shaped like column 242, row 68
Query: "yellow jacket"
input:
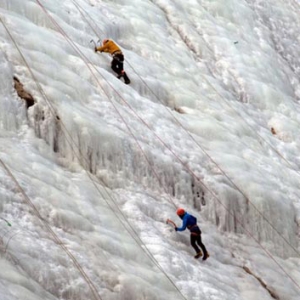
column 109, row 47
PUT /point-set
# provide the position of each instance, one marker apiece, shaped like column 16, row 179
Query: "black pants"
column 117, row 63
column 196, row 239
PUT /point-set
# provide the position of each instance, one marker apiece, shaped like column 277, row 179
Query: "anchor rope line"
column 244, row 196
column 213, row 194
column 52, row 233
column 183, row 163
column 209, row 156
column 136, row 238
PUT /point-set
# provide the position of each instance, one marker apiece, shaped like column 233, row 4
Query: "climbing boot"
column 206, row 256
column 199, row 254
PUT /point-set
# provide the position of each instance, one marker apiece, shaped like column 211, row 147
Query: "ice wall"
column 229, row 95
column 85, row 120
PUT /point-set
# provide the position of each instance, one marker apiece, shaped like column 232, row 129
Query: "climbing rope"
column 204, row 151
column 52, row 233
column 71, row 141
column 197, row 178
column 238, row 221
column 205, row 185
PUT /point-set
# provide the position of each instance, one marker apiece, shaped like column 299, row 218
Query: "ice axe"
column 95, row 44
column 171, row 222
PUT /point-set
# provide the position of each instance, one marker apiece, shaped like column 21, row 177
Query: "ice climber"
column 190, row 222
column 117, row 63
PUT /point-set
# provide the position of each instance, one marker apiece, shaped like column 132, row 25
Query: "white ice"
column 105, row 164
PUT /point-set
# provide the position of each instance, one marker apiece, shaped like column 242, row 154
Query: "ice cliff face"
column 209, row 123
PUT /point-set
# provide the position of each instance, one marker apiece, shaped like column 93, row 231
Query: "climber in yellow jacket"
column 117, row 63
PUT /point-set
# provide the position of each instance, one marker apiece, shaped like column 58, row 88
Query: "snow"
column 105, row 164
